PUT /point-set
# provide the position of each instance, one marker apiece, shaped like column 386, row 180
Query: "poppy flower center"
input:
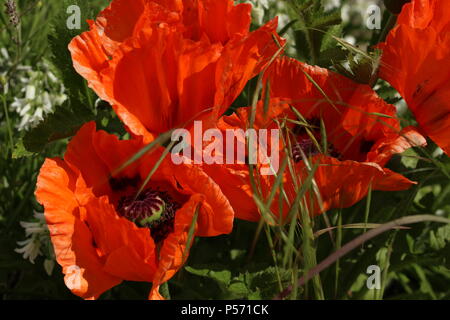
column 366, row 146
column 305, row 143
column 307, row 146
column 151, row 209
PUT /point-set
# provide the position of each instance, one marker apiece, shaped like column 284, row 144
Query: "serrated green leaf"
column 322, row 20
column 62, row 123
column 222, row 276
column 329, row 41
column 440, row 238
column 264, row 283
column 332, row 56
column 313, row 25
column 20, row 151
column 238, row 290
column 59, row 40
column 410, row 158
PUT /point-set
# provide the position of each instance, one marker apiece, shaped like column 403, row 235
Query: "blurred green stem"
column 8, row 123
column 309, row 252
column 164, row 289
column 392, row 20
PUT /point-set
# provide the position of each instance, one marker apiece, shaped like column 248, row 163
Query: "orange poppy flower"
column 361, row 130
column 104, row 232
column 415, row 62
column 161, row 64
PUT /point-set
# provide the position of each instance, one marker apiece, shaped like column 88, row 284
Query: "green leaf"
column 63, row 123
column 410, row 159
column 59, row 40
column 237, row 290
column 20, row 151
column 223, row 276
column 361, row 68
column 440, row 238
column 313, row 25
column 265, row 283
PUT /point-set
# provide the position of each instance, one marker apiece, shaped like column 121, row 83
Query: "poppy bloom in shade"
column 162, row 64
column 104, row 231
column 415, row 61
column 362, row 134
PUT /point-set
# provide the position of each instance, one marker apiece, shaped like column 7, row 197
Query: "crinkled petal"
column 216, row 214
column 386, row 148
column 175, row 248
column 129, row 251
column 71, row 238
column 344, row 183
column 415, row 55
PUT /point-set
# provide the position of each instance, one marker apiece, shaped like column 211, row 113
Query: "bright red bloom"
column 161, row 64
column 415, row 61
column 361, row 130
column 103, row 232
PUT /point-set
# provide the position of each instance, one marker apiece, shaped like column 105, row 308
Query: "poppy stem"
column 392, row 20
column 8, row 124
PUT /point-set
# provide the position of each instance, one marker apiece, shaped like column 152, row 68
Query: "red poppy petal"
column 221, row 20
column 242, row 59
column 344, row 183
column 114, row 152
column 117, row 22
column 422, row 14
column 129, row 251
column 391, row 181
column 81, row 154
column 89, row 58
column 216, row 214
column 163, row 63
column 138, row 81
column 434, row 118
column 133, row 124
column 384, row 149
column 71, row 238
column 290, row 80
column 174, row 251
column 196, row 87
column 414, row 55
column 154, row 293
column 235, row 185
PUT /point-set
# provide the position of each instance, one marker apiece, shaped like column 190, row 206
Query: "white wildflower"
column 37, row 243
column 331, row 4
column 438, row 152
column 259, row 8
column 258, row 14
column 40, row 90
column 350, row 39
column 30, row 248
